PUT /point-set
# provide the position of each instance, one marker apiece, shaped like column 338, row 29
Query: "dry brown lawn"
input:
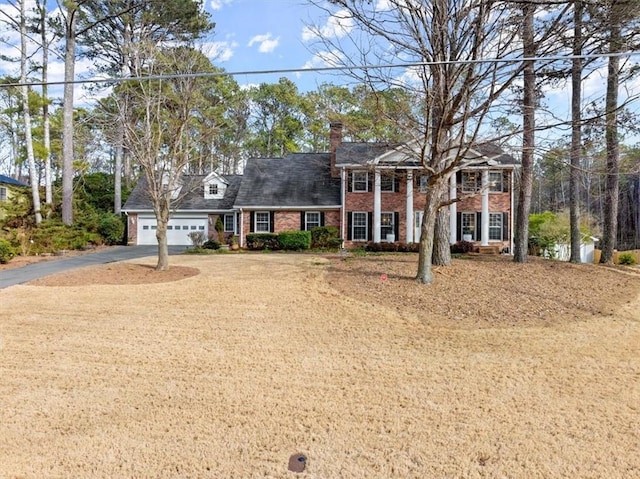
column 232, row 363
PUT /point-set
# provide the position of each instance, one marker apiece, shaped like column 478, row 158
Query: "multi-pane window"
column 469, row 224
column 387, row 182
column 263, row 224
column 495, row 226
column 423, row 183
column 3, row 193
column 213, row 189
column 359, row 226
column 229, row 223
column 495, row 181
column 386, row 225
column 471, row 181
column 311, row 220
column 360, row 181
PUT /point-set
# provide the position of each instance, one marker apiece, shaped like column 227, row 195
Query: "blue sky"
column 255, row 35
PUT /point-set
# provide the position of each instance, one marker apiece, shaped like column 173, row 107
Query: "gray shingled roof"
column 7, row 180
column 193, row 201
column 300, row 179
column 349, row 154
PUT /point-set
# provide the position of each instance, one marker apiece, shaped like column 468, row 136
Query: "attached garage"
column 178, row 229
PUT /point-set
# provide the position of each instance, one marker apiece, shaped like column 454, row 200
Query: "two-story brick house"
column 370, row 191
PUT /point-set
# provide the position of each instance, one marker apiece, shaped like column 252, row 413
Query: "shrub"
column 197, row 239
column 325, row 237
column 462, row 247
column 53, row 236
column 260, row 241
column 294, row 240
column 6, row 251
column 627, row 259
column 111, row 228
column 211, row 244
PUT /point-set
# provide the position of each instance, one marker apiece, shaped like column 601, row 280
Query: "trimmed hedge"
column 262, row 241
column 325, row 237
column 294, row 240
column 392, row 247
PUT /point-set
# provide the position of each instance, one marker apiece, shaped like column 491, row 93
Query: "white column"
column 485, row 208
column 377, row 206
column 453, row 210
column 409, row 217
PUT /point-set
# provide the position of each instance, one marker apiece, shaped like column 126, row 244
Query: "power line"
column 323, row 69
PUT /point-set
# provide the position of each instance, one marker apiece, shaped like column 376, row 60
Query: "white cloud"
column 266, row 43
column 220, row 51
column 218, row 4
column 339, row 25
column 383, row 5
column 332, row 58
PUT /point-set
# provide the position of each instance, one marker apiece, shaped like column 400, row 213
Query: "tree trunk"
column 576, row 134
column 441, row 247
column 162, row 220
column 610, row 220
column 67, row 116
column 528, row 139
column 46, row 122
column 26, row 115
column 433, row 198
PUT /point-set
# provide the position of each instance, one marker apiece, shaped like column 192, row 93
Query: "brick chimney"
column 335, row 140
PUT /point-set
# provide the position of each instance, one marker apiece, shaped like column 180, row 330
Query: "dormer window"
column 213, row 189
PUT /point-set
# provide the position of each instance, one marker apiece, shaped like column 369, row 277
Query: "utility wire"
column 321, row 69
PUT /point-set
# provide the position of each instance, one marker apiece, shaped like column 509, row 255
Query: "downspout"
column 241, row 229
column 511, row 215
column 343, row 206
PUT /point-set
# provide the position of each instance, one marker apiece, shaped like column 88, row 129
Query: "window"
column 263, row 224
column 495, row 181
column 471, row 181
column 495, row 226
column 229, row 223
column 423, row 183
column 311, row 220
column 3, row 193
column 468, row 225
column 359, row 226
column 169, row 227
column 387, row 182
column 360, row 181
column 386, row 225
column 213, row 189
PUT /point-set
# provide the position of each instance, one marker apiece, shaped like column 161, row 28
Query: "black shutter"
column 322, row 218
column 349, row 224
column 478, row 226
column 396, row 225
column 369, row 226
column 505, row 181
column 370, row 181
column 396, row 183
column 252, row 226
column 505, row 226
column 458, row 226
column 459, row 179
column 272, row 221
column 349, row 181
column 302, row 223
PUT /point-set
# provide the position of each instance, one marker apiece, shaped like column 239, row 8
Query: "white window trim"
column 306, row 220
column 475, row 226
column 463, row 183
column 353, row 226
column 423, row 183
column 233, row 221
column 499, row 184
column 268, row 222
column 366, row 181
column 392, row 178
column 217, row 196
column 493, row 228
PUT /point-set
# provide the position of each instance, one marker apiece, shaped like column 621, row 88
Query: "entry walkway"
column 30, row 272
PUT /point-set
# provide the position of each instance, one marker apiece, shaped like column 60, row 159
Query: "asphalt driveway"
column 27, row 273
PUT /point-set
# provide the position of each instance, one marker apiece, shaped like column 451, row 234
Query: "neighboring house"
column 8, row 186
column 369, row 191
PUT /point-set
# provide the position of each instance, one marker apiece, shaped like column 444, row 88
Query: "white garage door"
column 177, row 231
